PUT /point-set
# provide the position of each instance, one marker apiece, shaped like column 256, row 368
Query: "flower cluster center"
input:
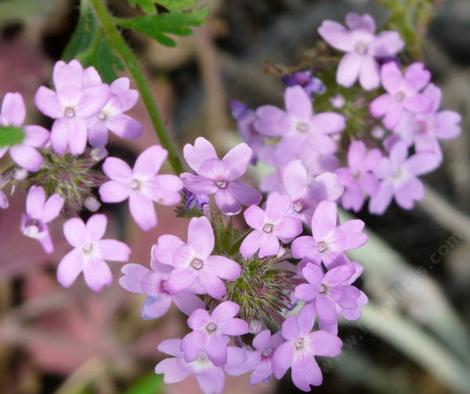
column 69, row 112
column 268, row 228
column 221, row 184
column 322, row 246
column 211, row 327
column 197, row 264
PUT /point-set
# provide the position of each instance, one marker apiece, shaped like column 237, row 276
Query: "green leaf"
column 10, row 136
column 89, row 46
column 176, row 5
column 148, row 6
column 160, row 26
column 148, row 384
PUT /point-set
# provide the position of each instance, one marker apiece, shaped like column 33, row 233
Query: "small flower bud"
column 255, row 326
column 378, row 132
column 337, row 101
column 92, row 204
column 98, row 154
column 21, row 174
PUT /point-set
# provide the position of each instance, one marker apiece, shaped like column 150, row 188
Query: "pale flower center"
column 400, row 96
column 102, row 116
column 302, row 127
column 88, row 249
column 267, row 353
column 211, row 327
column 69, row 112
column 33, row 228
column 268, row 228
column 323, row 289
column 197, row 264
column 322, row 246
column 299, row 343
column 221, row 184
column 135, row 184
column 298, row 206
column 421, row 128
column 361, row 48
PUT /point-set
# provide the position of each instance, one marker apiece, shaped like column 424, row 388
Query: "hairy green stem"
column 119, row 45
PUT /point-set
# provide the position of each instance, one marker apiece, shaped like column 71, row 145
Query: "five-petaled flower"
column 220, row 177
column 90, row 253
column 195, row 267
column 271, row 225
column 141, row 185
column 40, row 210
column 211, row 332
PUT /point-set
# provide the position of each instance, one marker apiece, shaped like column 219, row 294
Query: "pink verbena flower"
column 153, row 283
column 209, row 377
column 300, row 348
column 141, row 185
column 399, row 177
column 298, row 128
column 195, row 268
column 90, row 253
column 25, row 154
column 211, row 332
column 329, row 240
column 75, row 99
column 363, row 48
column 332, row 293
column 358, row 177
column 260, row 359
column 403, row 93
column 424, row 130
column 112, row 116
column 306, row 193
column 270, row 226
column 39, row 212
column 220, row 177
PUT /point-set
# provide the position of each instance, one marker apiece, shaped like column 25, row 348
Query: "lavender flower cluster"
column 263, row 278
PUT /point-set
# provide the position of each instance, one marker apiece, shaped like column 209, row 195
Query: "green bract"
column 10, row 136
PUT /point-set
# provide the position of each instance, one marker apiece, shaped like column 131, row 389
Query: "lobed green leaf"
column 159, row 27
column 89, row 46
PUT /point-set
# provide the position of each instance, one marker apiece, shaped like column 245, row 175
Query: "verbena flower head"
column 329, row 240
column 307, row 192
column 25, row 153
column 112, row 116
column 298, row 128
column 220, row 177
column 212, row 331
column 271, row 225
column 358, row 177
column 195, row 266
column 40, row 210
column 363, row 49
column 209, row 377
column 141, row 280
column 332, row 293
column 300, row 348
column 399, row 177
column 90, row 253
column 141, row 185
column 403, row 93
column 424, row 130
column 76, row 98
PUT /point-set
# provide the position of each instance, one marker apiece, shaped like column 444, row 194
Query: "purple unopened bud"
column 311, row 84
column 193, row 200
column 238, row 109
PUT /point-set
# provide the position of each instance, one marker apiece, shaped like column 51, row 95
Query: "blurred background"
column 415, row 336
